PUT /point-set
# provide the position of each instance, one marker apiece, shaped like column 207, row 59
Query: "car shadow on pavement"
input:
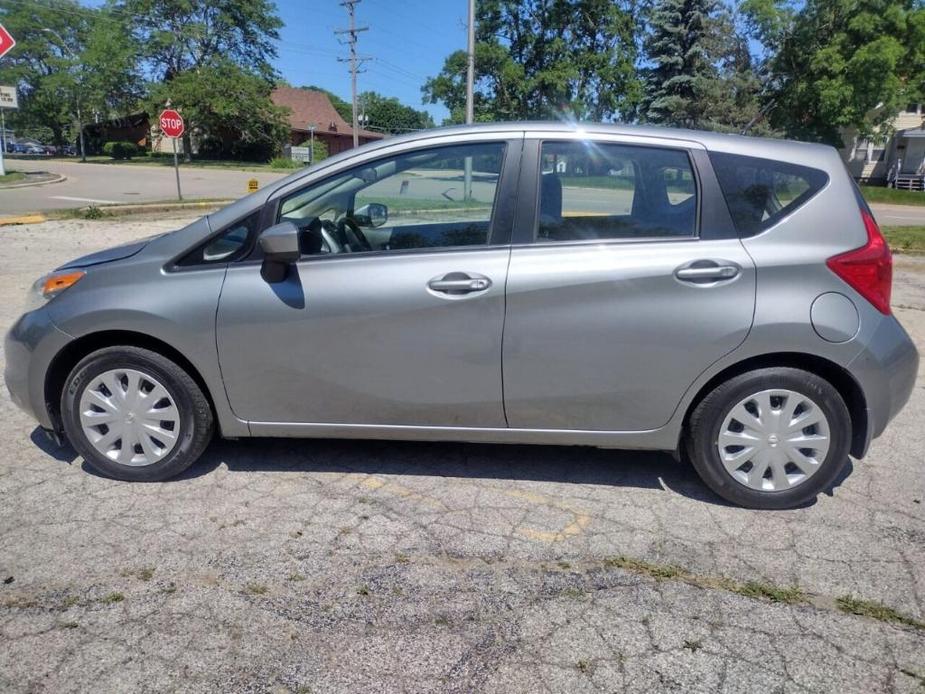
column 652, row 470
column 655, row 470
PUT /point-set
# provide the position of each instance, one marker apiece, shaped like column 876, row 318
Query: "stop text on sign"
column 171, row 123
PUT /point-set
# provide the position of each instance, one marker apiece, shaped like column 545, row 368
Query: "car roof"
column 709, row 139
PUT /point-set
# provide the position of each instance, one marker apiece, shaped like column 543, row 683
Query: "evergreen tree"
column 683, row 73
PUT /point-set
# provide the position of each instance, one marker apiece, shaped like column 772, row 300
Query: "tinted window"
column 760, row 192
column 432, row 198
column 593, row 191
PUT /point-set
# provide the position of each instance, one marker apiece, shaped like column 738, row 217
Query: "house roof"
column 308, row 106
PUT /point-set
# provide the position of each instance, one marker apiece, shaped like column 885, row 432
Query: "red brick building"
column 308, row 107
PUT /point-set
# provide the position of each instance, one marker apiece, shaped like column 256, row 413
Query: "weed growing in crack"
column 754, row 589
column 876, row 610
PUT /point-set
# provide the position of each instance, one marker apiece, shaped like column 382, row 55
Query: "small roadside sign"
column 302, row 154
column 8, row 97
column 252, row 185
column 171, row 124
column 6, row 41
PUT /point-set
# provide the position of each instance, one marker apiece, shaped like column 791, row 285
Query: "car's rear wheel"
column 771, row 438
column 135, row 415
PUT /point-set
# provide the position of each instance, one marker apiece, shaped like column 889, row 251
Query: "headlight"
column 50, row 286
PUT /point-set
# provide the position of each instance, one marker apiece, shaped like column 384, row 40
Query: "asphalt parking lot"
column 334, row 566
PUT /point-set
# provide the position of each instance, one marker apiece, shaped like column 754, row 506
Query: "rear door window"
column 595, row 191
column 761, row 192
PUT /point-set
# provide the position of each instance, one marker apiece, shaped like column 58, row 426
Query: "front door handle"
column 459, row 283
column 703, row 272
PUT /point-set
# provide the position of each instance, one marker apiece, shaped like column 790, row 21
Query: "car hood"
column 126, row 250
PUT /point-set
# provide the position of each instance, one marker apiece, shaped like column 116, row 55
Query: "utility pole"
column 470, row 85
column 354, row 59
column 470, row 65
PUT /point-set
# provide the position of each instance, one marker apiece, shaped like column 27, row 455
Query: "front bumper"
column 886, row 369
column 30, row 347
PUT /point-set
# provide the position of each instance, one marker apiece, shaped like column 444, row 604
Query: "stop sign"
column 171, row 123
column 6, row 41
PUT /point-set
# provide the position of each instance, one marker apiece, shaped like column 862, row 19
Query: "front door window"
column 434, row 198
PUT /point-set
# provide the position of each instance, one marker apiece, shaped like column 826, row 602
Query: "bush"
column 320, row 150
column 284, row 163
column 120, row 150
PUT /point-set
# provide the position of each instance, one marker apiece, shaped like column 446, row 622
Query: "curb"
column 23, row 219
column 118, row 210
column 60, row 179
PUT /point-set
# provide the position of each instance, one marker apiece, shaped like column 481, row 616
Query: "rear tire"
column 747, row 441
column 134, row 415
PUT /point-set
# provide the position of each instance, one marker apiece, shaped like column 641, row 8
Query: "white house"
column 898, row 161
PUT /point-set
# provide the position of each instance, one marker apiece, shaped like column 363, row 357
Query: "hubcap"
column 774, row 440
column 129, row 417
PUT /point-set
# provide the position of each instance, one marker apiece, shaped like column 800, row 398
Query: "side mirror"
column 280, row 246
column 372, row 215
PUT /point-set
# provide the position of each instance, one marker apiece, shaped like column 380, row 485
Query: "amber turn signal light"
column 59, row 282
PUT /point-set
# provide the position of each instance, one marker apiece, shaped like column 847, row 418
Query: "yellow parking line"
column 23, row 219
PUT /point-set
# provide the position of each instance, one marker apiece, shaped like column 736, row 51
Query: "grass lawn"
column 893, row 196
column 906, row 239
column 167, row 160
column 12, row 177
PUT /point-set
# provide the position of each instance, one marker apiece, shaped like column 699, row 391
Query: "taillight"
column 868, row 269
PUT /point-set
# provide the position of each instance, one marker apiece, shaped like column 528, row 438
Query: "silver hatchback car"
column 726, row 298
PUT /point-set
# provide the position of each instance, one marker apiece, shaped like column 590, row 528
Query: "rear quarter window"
column 761, row 192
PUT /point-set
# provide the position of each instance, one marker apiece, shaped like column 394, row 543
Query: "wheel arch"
column 65, row 361
column 839, row 377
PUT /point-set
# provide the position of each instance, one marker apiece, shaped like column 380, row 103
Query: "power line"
column 354, row 59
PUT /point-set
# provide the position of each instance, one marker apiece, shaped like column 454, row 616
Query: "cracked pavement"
column 333, row 566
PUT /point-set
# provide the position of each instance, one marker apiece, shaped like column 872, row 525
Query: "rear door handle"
column 707, row 273
column 459, row 283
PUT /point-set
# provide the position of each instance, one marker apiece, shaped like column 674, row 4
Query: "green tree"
column 68, row 59
column 838, row 65
column 182, row 35
column 680, row 48
column 187, row 43
column 387, row 114
column 545, row 59
column 228, row 109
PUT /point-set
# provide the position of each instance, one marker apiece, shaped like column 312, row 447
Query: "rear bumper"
column 31, row 345
column 886, row 370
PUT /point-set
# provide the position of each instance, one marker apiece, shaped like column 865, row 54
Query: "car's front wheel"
column 771, row 438
column 135, row 415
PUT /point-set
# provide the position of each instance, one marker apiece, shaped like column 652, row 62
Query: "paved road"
column 119, row 183
column 336, row 566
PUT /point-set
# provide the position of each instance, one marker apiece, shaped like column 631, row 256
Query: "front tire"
column 134, row 415
column 771, row 438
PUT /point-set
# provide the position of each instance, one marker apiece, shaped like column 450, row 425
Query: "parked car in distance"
column 513, row 283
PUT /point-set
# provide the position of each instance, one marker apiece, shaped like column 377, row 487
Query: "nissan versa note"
column 723, row 297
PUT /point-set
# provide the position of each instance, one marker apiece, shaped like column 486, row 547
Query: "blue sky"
column 407, row 42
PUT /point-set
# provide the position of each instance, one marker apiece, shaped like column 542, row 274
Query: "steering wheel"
column 347, row 224
column 328, row 233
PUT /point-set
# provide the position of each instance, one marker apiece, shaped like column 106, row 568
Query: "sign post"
column 171, row 124
column 7, row 94
column 8, row 99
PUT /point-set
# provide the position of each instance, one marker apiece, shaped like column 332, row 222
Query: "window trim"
column 526, row 234
column 500, row 223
